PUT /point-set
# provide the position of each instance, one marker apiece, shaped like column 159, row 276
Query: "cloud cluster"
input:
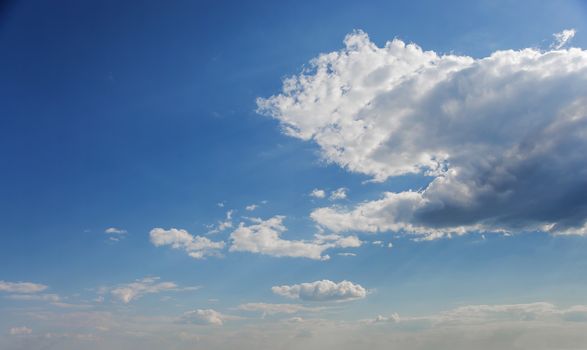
column 324, row 290
column 197, row 247
column 501, row 137
column 264, row 237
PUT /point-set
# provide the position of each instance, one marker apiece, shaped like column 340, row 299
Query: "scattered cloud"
column 223, row 224
column 205, row 317
column 197, row 247
column 20, row 331
column 115, row 231
column 272, row 309
column 317, row 193
column 338, row 194
column 21, row 287
column 324, row 290
column 562, row 38
column 489, row 132
column 251, row 207
column 264, row 237
column 347, row 254
column 148, row 285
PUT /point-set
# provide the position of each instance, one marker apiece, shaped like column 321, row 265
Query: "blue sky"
column 122, row 118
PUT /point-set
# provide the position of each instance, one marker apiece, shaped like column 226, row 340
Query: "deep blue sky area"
column 142, row 114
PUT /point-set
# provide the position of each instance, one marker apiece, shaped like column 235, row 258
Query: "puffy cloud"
column 324, row 290
column 115, row 231
column 204, row 317
column 20, row 331
column 251, row 207
column 148, row 285
column 263, row 237
column 563, row 38
column 21, row 287
column 338, row 194
column 501, row 137
column 271, row 309
column 197, row 247
column 317, row 193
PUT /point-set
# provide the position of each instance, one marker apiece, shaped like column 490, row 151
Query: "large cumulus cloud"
column 503, row 137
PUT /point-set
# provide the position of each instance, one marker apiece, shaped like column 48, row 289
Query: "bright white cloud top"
column 324, row 290
column 503, row 137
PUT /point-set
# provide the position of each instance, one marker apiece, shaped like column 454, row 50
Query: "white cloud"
column 272, row 309
column 562, row 38
column 204, row 317
column 251, row 207
column 501, row 136
column 197, row 247
column 324, row 290
column 222, row 225
column 115, row 231
column 264, row 237
column 338, row 194
column 148, row 285
column 347, row 254
column 21, row 287
column 20, row 331
column 317, row 193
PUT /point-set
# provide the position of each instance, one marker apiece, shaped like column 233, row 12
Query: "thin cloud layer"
column 21, row 287
column 272, row 309
column 148, row 285
column 264, row 237
column 483, row 314
column 324, row 290
column 502, row 137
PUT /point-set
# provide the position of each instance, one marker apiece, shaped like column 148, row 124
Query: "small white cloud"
column 220, row 204
column 324, row 290
column 264, row 237
column 338, row 194
column 197, row 247
column 21, row 287
column 251, row 207
column 562, row 38
column 148, row 285
column 115, row 231
column 204, row 317
column 389, row 245
column 222, row 225
column 317, row 193
column 20, row 331
column 347, row 254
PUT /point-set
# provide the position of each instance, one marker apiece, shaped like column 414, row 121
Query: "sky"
column 293, row 175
